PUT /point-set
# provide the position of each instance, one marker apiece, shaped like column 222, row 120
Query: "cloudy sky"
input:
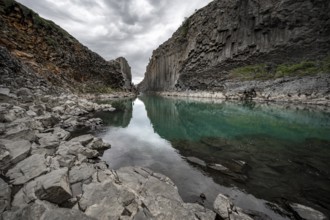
column 113, row 28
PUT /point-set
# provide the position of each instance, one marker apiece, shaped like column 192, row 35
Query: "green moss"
column 298, row 69
column 261, row 72
column 251, row 72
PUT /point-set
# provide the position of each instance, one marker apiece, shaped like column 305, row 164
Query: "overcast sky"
column 114, row 28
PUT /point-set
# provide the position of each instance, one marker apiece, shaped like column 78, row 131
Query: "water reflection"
column 285, row 150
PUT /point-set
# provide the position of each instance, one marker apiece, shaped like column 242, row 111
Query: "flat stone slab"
column 13, row 152
column 81, row 173
column 27, row 169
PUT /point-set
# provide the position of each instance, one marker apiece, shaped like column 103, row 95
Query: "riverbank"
column 308, row 90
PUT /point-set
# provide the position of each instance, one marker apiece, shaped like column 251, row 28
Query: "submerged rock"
column 307, row 213
column 197, row 161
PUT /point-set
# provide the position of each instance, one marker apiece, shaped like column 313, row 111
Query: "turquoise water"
column 274, row 153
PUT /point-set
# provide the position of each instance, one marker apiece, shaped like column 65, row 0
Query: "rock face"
column 59, row 57
column 122, row 64
column 204, row 52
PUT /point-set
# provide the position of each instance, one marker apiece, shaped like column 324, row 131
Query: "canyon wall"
column 229, row 34
column 54, row 54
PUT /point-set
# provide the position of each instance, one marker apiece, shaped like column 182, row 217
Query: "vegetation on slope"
column 264, row 71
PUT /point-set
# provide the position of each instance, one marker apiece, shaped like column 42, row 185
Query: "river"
column 269, row 153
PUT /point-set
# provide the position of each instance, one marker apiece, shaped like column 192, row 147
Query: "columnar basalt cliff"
column 54, row 54
column 122, row 64
column 229, row 42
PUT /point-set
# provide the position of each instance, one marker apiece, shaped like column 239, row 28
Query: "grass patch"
column 263, row 72
column 184, row 28
column 96, row 89
column 303, row 68
column 250, row 72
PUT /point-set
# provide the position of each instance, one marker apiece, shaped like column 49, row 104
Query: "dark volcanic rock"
column 59, row 57
column 226, row 34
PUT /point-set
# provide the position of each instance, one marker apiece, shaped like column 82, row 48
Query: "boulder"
column 5, row 193
column 53, row 187
column 83, row 139
column 43, row 210
column 48, row 120
column 75, row 148
column 20, row 132
column 61, row 133
column 81, row 173
column 159, row 196
column 105, row 200
column 11, row 152
column 227, row 211
column 98, row 144
column 66, row 160
column 49, row 140
column 29, row 212
column 27, row 169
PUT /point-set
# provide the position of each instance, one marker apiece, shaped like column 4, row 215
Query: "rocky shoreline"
column 310, row 90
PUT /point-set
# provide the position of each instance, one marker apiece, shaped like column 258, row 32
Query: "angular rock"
column 200, row 212
column 196, row 161
column 75, row 148
column 18, row 150
column 66, row 160
column 55, row 186
column 98, row 144
column 48, row 120
column 5, row 194
column 20, row 133
column 49, row 140
column 29, row 212
column 61, row 134
column 307, row 213
column 27, row 169
column 43, row 210
column 81, row 173
column 83, row 139
column 226, row 209
column 62, row 213
column 223, row 206
column 105, row 200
